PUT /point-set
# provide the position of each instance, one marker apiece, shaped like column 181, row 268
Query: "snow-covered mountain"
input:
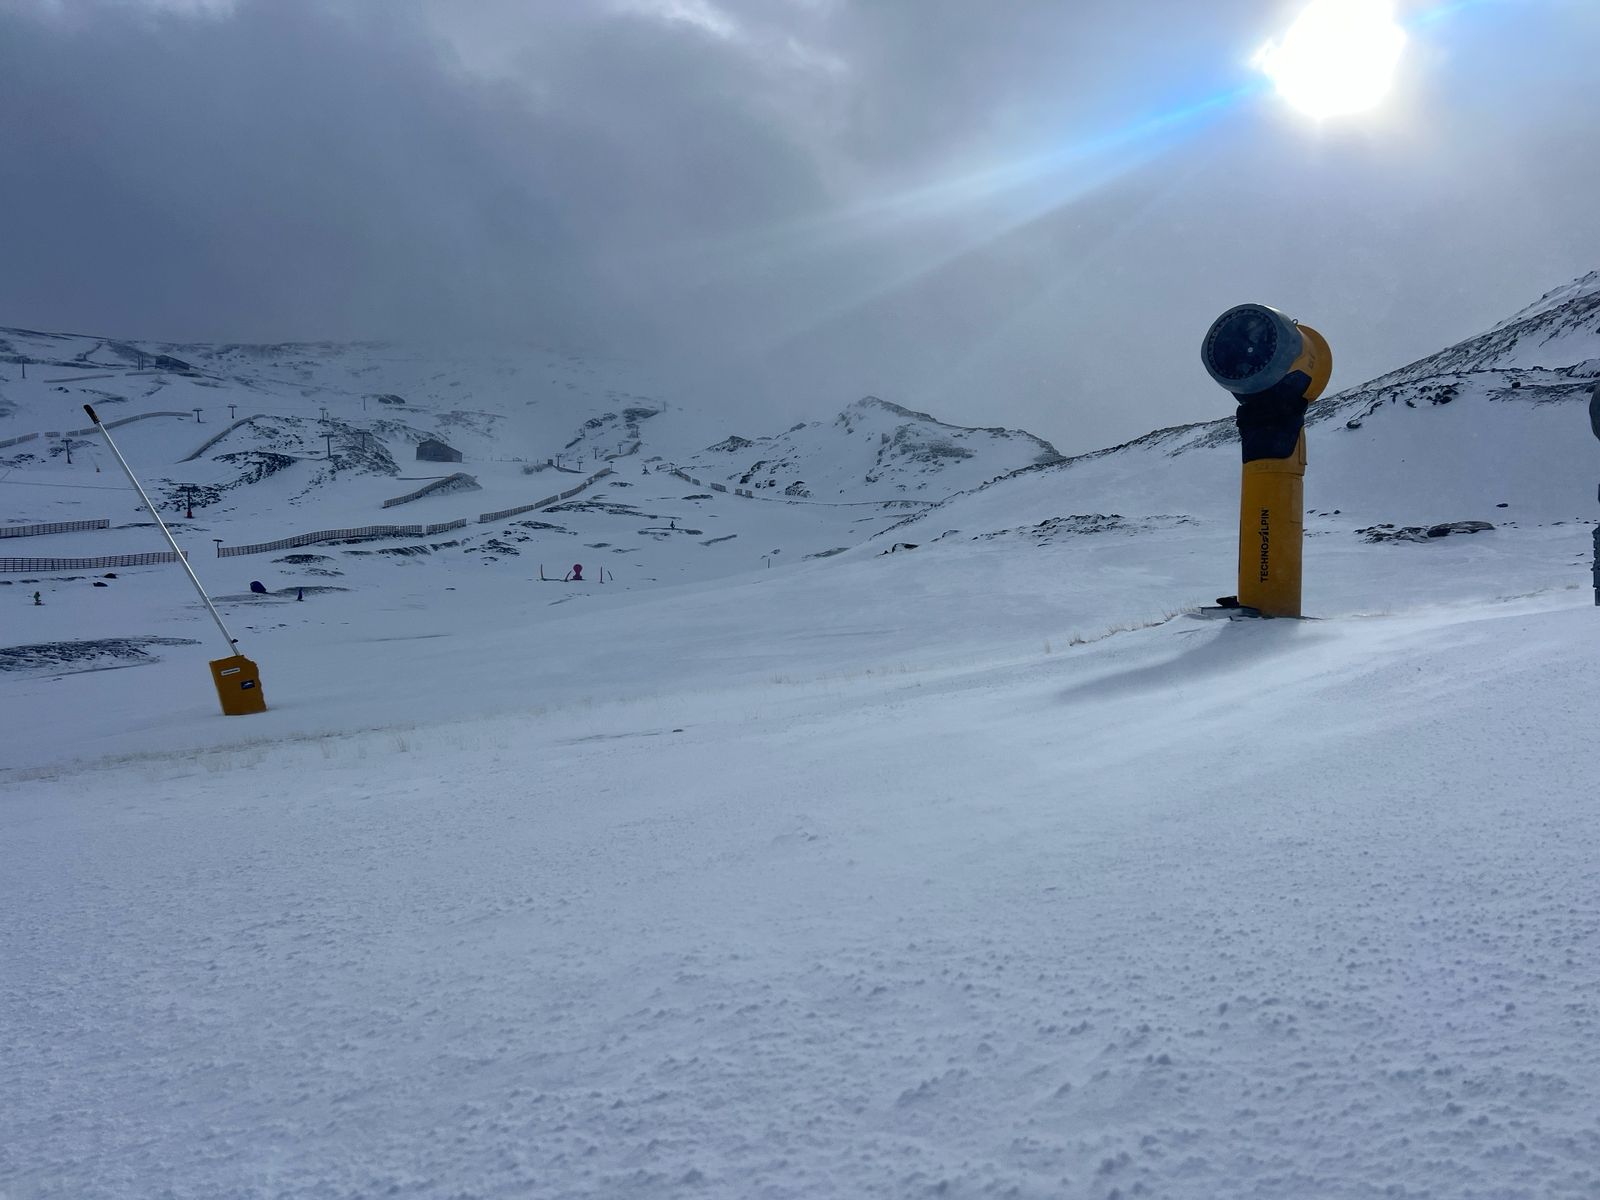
column 295, row 438
column 483, row 397
column 902, row 844
column 566, row 460
column 1494, row 428
column 262, row 443
column 873, row 450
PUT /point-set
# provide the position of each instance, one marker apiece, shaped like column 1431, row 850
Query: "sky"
column 1021, row 213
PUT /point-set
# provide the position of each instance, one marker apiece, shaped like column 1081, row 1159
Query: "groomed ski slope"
column 905, row 898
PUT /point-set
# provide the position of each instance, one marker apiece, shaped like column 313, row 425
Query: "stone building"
column 434, row 450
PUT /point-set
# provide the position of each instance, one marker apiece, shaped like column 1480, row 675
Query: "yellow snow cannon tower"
column 1594, row 423
column 1275, row 367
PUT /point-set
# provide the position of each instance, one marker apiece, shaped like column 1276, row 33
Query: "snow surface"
column 974, row 869
column 849, row 459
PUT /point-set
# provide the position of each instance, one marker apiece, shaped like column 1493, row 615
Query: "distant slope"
column 477, row 397
column 322, row 434
column 1497, row 420
column 297, row 438
column 873, row 450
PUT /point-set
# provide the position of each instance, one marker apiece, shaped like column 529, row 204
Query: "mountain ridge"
column 330, row 425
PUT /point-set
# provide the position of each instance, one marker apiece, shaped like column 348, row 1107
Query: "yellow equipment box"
column 238, row 686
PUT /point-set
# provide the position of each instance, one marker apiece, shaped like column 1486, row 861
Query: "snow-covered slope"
column 949, row 864
column 1573, row 300
column 1495, row 429
column 268, row 442
column 873, row 450
column 1448, row 438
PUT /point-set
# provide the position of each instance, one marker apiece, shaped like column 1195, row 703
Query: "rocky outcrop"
column 1421, row 533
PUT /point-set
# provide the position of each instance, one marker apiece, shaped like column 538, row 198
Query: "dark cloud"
column 1022, row 213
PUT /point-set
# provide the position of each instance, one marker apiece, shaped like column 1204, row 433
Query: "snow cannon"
column 1275, row 367
column 1594, row 423
column 237, row 679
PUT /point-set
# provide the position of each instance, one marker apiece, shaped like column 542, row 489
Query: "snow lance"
column 237, row 679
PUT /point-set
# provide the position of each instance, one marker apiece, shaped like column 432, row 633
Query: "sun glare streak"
column 934, row 199
column 1030, row 188
column 1338, row 58
column 1007, row 194
column 1448, row 8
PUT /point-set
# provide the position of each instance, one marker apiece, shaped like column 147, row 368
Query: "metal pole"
column 233, row 643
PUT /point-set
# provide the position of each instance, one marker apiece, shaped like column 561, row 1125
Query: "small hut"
column 434, row 450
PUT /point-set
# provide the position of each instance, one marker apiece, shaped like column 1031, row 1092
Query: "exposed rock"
column 873, row 450
column 96, row 655
column 1047, row 531
column 1421, row 533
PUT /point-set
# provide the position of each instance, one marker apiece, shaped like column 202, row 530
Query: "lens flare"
column 1338, row 58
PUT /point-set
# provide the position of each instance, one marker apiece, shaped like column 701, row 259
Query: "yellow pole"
column 1271, row 533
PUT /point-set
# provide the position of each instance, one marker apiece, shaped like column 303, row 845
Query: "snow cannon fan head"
column 1594, row 410
column 1252, row 349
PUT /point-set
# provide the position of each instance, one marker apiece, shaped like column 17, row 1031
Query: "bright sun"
column 1338, row 58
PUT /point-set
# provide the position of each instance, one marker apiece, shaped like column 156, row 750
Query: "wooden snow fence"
column 715, row 487
column 459, row 480
column 87, row 564
column 362, row 533
column 72, row 433
column 368, row 532
column 117, row 424
column 14, row 531
column 485, row 518
column 212, row 441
